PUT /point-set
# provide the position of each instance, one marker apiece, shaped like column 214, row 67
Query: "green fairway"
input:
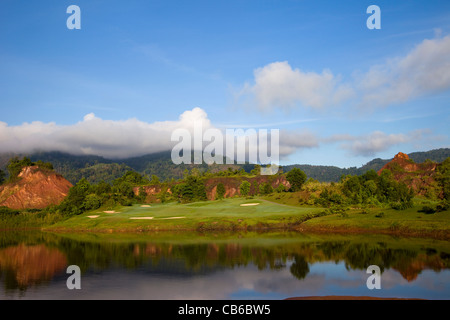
column 228, row 214
column 240, row 214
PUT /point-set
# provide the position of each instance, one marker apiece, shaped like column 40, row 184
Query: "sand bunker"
column 93, row 217
column 145, row 206
column 141, row 218
column 173, row 218
column 249, row 204
column 110, row 211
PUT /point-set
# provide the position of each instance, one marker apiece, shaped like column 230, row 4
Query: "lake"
column 274, row 265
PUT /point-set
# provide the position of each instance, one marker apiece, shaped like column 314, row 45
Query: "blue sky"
column 340, row 93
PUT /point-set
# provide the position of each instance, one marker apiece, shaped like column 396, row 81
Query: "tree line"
column 368, row 189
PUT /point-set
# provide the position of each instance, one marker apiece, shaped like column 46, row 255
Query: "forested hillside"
column 96, row 169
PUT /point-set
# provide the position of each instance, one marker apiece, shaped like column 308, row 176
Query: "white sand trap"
column 173, row 218
column 249, row 204
column 110, row 211
column 93, row 217
column 141, row 218
column 145, row 206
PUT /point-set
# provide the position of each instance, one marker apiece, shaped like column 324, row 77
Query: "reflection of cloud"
column 244, row 282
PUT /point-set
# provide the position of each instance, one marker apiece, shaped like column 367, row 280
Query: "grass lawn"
column 227, row 214
column 257, row 214
column 409, row 221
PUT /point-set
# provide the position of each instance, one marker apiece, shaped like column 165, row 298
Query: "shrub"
column 245, row 188
column 428, row 210
column 443, row 206
column 220, row 191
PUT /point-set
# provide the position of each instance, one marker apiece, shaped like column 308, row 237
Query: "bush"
column 443, row 206
column 265, row 188
column 220, row 191
column 401, row 205
column 244, row 188
column 92, row 201
column 296, row 178
column 428, row 210
column 379, row 215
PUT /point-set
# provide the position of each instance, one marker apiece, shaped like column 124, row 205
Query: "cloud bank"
column 96, row 136
column 127, row 138
column 123, row 138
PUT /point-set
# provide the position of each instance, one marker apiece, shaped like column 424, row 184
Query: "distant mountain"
column 96, row 168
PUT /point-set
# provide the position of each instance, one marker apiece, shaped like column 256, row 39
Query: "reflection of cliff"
column 411, row 270
column 23, row 265
column 182, row 258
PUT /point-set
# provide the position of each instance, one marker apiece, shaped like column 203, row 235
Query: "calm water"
column 219, row 266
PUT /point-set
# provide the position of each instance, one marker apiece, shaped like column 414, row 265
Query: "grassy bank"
column 228, row 214
column 239, row 214
column 410, row 222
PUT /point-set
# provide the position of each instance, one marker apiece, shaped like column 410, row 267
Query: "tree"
column 142, row 194
column 257, row 170
column 92, row 201
column 443, row 177
column 220, row 191
column 2, row 176
column 244, row 188
column 101, row 188
column 265, row 188
column 15, row 166
column 155, row 180
column 296, row 178
column 74, row 203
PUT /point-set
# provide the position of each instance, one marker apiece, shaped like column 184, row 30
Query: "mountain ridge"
column 97, row 168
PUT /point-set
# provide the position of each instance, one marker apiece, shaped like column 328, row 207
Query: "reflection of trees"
column 300, row 267
column 179, row 258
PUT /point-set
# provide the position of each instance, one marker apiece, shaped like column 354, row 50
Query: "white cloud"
column 123, row 138
column 278, row 85
column 108, row 138
column 377, row 141
column 291, row 141
column 424, row 70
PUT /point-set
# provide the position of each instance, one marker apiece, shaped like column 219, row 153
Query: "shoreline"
column 318, row 229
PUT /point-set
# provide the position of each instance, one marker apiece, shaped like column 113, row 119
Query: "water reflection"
column 39, row 260
column 24, row 266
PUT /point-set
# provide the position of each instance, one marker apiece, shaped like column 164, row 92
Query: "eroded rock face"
column 418, row 176
column 35, row 189
column 231, row 184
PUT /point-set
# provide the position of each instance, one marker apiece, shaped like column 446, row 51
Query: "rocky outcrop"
column 35, row 188
column 418, row 176
column 231, row 184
